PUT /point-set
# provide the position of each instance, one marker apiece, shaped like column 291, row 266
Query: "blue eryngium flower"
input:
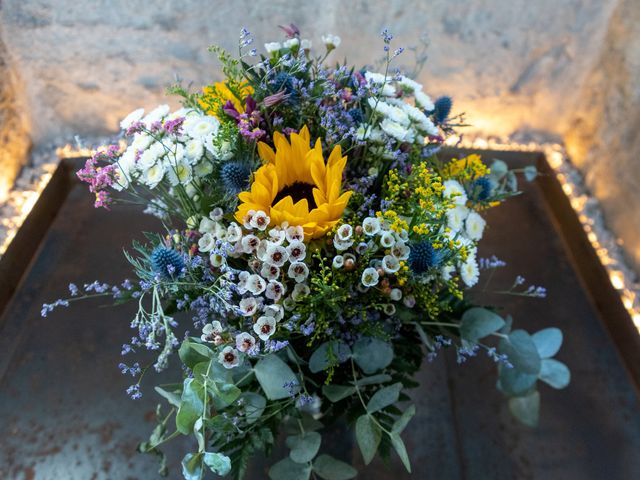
column 423, row 257
column 235, row 176
column 481, row 188
column 442, row 109
column 166, row 262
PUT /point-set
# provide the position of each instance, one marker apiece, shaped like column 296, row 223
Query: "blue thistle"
column 235, row 176
column 442, row 109
column 166, row 262
column 423, row 257
column 481, row 188
column 284, row 81
column 356, row 115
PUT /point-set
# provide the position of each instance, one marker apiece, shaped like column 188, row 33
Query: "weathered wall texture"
column 562, row 68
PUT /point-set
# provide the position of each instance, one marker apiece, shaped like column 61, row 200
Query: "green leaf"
column 530, row 173
column 217, row 463
column 478, row 323
column 192, row 353
column 513, row 382
column 192, row 466
column 335, row 393
column 172, row 398
column 287, row 469
column 521, row 352
column 547, row 341
column 191, row 406
column 329, row 468
column 526, row 409
column 368, row 436
column 498, row 169
column 404, row 419
column 384, row 397
column 512, row 181
column 254, row 405
column 328, row 354
column 423, row 336
column 401, row 450
column 555, row 373
column 372, row 380
column 272, row 374
column 372, row 354
column 304, row 447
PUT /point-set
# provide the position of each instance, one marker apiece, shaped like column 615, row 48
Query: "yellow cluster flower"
column 215, row 96
column 468, row 168
column 396, row 223
column 396, row 188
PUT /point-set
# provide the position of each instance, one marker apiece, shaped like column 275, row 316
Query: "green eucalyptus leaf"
column 555, row 373
column 384, row 397
column 401, row 450
column 401, row 423
column 272, row 374
column 192, row 353
column 512, row 181
column 513, row 382
column 372, row 380
column 304, row 447
column 254, row 405
column 548, row 341
column 217, row 463
column 335, row 393
column 197, row 432
column 368, row 436
column 521, row 352
column 498, row 169
column 287, row 469
column 526, row 409
column 530, row 173
column 328, row 354
column 329, row 468
column 192, row 466
column 478, row 323
column 191, row 406
column 372, row 354
column 172, row 398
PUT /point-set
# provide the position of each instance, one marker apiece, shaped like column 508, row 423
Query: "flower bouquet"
column 314, row 251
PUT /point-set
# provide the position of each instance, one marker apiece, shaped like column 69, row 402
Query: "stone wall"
column 558, row 68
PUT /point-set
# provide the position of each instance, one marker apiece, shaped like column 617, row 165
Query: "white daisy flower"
column 291, row 43
column 194, row 150
column 294, row 234
column 248, row 306
column 306, row 44
column 180, row 174
column 397, row 131
column 376, row 78
column 203, row 168
column 140, row 142
column 156, row 115
column 447, row 272
column 371, row 226
column 298, row 271
column 297, row 251
column 229, row 357
column 130, row 119
column 220, row 150
column 202, row 127
column 331, row 41
column 423, row 101
column 250, row 243
column 409, row 83
column 474, row 226
column 256, row 284
column 259, row 220
column 456, row 216
column 245, row 342
column 370, row 277
column 265, row 327
column 469, row 272
column 390, row 264
column 269, row 272
column 453, row 189
column 154, row 175
column 210, row 331
column 274, row 290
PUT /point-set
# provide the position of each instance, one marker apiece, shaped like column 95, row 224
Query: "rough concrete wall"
column 604, row 135
column 14, row 136
column 560, row 67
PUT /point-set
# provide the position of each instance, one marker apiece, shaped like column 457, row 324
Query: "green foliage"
column 273, row 374
column 191, row 406
column 329, row 468
column 335, row 393
column 521, row 351
column 368, row 436
column 287, row 469
column 526, row 408
column 555, row 373
column 547, row 341
column 384, row 397
column 372, row 354
column 191, row 353
column 478, row 323
column 329, row 354
column 304, row 447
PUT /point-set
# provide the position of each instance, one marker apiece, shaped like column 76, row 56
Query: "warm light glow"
column 616, row 280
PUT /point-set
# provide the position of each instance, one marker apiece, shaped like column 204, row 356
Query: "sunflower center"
column 297, row 191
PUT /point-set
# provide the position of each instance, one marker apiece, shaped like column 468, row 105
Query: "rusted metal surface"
column 64, row 414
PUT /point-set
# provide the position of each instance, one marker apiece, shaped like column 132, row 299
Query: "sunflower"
column 215, row 96
column 296, row 186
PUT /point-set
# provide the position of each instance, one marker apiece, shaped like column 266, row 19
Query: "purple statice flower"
column 492, row 262
column 74, row 290
column 499, row 357
column 275, row 345
column 49, row 307
column 134, row 392
column 174, row 127
column 463, row 353
column 135, row 127
column 292, row 387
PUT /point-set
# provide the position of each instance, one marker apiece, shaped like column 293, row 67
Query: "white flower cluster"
column 465, row 227
column 275, row 261
column 155, row 155
column 398, row 119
